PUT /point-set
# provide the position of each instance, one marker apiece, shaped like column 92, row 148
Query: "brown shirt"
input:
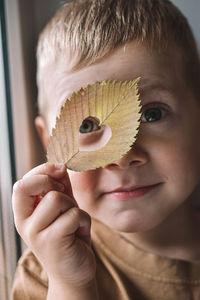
column 124, row 272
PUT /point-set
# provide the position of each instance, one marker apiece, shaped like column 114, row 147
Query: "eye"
column 153, row 114
column 89, row 125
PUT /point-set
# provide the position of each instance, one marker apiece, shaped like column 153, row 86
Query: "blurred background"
column 20, row 149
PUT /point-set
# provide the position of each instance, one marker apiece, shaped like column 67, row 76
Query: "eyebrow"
column 158, row 86
column 166, row 93
column 154, row 85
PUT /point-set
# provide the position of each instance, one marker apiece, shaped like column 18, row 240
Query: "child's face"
column 165, row 160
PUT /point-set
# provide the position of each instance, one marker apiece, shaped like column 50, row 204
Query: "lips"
column 123, row 193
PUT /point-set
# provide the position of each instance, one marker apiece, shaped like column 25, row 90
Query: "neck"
column 177, row 237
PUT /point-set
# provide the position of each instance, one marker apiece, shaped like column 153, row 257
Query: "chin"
column 131, row 225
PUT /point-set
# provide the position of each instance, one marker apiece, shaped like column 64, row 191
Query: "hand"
column 53, row 226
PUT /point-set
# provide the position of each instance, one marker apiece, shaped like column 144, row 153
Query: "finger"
column 56, row 171
column 40, row 184
column 73, row 221
column 25, row 189
column 68, row 188
column 48, row 210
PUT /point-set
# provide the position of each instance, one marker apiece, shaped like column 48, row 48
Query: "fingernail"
column 59, row 167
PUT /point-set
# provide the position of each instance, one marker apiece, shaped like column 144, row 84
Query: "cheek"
column 84, row 186
column 179, row 163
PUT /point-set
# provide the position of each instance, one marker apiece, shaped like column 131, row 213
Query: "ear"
column 42, row 130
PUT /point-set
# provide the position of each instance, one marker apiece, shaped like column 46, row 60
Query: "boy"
column 145, row 220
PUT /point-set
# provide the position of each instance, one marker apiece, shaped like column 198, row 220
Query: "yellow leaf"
column 107, row 113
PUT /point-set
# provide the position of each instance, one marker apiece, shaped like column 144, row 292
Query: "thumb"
column 68, row 187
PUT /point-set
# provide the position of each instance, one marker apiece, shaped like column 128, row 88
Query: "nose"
column 135, row 156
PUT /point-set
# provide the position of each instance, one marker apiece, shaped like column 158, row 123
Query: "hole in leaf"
column 92, row 136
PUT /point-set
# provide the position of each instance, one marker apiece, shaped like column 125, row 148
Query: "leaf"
column 116, row 105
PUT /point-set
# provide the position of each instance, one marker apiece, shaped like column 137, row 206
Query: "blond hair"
column 90, row 29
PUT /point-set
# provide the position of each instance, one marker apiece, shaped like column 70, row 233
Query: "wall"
column 191, row 9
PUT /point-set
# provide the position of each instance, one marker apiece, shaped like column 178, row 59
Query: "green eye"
column 153, row 114
column 88, row 125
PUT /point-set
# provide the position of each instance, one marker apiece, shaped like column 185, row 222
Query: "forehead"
column 125, row 63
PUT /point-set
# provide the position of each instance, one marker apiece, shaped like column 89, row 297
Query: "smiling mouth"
column 132, row 192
